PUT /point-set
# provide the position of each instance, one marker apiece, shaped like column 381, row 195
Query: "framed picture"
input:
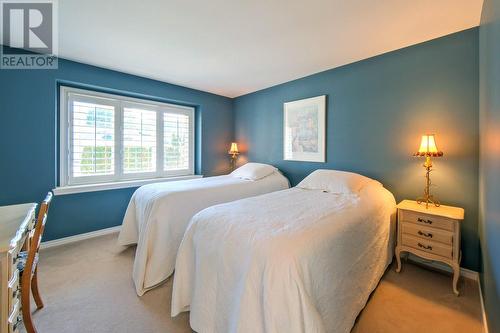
column 305, row 130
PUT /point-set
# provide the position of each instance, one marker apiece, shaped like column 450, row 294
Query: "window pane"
column 139, row 140
column 93, row 139
column 176, row 141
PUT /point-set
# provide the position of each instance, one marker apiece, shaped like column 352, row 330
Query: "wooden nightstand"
column 432, row 233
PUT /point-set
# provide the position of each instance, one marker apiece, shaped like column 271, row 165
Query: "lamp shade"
column 234, row 148
column 428, row 147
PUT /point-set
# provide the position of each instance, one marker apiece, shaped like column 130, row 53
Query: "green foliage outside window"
column 173, row 152
column 103, row 160
column 138, row 158
column 99, row 160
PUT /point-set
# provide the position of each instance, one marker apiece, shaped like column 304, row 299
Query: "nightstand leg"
column 398, row 260
column 456, row 275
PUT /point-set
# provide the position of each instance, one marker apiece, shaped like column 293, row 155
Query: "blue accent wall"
column 377, row 110
column 489, row 176
column 28, row 140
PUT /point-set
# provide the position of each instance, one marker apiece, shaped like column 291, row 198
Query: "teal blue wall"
column 28, row 140
column 377, row 109
column 489, row 174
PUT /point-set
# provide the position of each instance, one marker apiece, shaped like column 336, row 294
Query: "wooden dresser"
column 16, row 222
column 431, row 233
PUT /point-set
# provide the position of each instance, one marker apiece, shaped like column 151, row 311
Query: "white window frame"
column 69, row 94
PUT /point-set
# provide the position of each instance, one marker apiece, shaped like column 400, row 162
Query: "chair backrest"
column 36, row 238
column 40, row 224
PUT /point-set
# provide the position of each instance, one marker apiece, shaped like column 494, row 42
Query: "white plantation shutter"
column 139, row 140
column 108, row 138
column 93, row 141
column 176, row 141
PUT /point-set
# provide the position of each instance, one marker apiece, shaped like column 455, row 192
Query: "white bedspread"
column 290, row 261
column 158, row 215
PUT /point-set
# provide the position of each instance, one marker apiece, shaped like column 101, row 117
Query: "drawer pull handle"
column 424, row 221
column 426, row 247
column 428, row 235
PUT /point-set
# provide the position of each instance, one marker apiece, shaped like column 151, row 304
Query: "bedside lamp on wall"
column 233, row 151
column 428, row 149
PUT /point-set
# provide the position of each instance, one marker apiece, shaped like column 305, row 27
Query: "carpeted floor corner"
column 87, row 287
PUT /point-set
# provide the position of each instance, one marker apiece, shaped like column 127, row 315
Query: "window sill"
column 63, row 190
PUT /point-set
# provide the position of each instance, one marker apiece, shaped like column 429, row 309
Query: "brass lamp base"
column 428, row 200
column 233, row 161
column 428, row 197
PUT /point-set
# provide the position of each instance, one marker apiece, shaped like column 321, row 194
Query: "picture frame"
column 304, row 130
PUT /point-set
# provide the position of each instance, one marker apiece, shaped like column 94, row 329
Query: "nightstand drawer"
column 428, row 233
column 427, row 246
column 427, row 220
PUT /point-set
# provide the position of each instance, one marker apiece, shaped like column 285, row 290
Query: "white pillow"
column 253, row 171
column 335, row 181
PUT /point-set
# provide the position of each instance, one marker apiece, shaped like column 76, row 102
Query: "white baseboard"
column 466, row 273
column 485, row 321
column 76, row 238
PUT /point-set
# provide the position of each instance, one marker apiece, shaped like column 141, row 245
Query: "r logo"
column 28, row 26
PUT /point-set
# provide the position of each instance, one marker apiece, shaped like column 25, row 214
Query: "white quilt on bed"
column 290, row 261
column 158, row 215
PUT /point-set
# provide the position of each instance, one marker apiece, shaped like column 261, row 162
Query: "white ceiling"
column 234, row 47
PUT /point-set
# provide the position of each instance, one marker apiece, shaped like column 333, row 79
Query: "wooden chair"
column 28, row 266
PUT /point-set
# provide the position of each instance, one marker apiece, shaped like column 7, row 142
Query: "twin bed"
column 158, row 214
column 303, row 259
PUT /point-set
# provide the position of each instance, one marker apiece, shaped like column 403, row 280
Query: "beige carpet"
column 87, row 287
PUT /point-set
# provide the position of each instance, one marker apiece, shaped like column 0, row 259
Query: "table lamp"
column 428, row 149
column 233, row 151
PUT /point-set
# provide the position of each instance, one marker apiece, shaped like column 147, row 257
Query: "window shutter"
column 106, row 138
column 176, row 141
column 93, row 139
column 139, row 140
